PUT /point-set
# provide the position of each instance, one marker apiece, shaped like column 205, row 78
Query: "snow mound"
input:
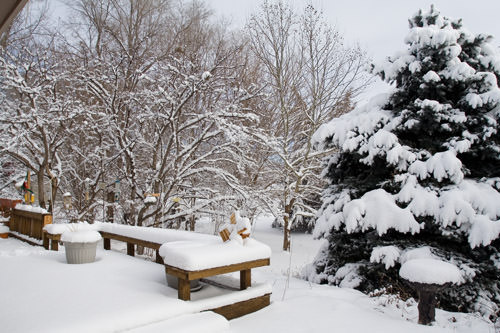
column 430, row 271
column 387, row 255
column 85, row 236
column 195, row 256
column 197, row 322
column 377, row 209
column 32, row 209
column 61, row 228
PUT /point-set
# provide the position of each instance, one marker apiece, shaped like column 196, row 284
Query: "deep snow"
column 40, row 292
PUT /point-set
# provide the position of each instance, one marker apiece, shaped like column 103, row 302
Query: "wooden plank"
column 27, row 214
column 159, row 259
column 107, row 244
column 240, row 309
column 193, row 275
column 54, row 245
column 23, row 239
column 46, row 240
column 130, row 249
column 184, row 290
column 127, row 239
column 245, row 279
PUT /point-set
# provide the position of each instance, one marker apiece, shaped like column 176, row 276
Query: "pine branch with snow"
column 420, row 166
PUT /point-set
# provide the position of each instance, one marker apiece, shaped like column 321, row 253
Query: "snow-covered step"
column 207, row 322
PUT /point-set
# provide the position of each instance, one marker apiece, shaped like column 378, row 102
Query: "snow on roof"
column 195, row 256
column 430, row 271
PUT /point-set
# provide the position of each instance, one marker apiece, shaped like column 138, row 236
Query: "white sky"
column 379, row 26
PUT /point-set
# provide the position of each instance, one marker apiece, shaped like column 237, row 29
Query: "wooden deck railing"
column 29, row 223
column 6, row 206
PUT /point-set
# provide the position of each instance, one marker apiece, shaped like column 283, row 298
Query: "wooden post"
column 130, row 249
column 159, row 259
column 184, row 292
column 245, row 279
column 107, row 243
column 46, row 242
column 55, row 245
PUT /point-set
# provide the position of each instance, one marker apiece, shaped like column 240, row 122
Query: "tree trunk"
column 286, row 234
column 287, row 226
column 41, row 188
column 54, row 185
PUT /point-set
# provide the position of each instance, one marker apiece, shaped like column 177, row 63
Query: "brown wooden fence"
column 29, row 223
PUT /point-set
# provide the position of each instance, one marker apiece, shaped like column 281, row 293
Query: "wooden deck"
column 229, row 311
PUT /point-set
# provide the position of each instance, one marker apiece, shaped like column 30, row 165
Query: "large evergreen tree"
column 417, row 171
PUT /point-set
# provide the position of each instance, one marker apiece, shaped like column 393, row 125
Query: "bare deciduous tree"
column 311, row 76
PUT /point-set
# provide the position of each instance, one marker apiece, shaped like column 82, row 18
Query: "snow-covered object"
column 32, row 209
column 239, row 231
column 81, row 236
column 194, row 256
column 206, row 75
column 60, row 228
column 430, row 271
column 423, row 252
column 378, row 210
column 4, row 229
column 155, row 235
column 150, row 199
column 433, row 182
column 387, row 255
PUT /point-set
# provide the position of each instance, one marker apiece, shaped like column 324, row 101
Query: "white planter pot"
column 173, row 282
column 80, row 253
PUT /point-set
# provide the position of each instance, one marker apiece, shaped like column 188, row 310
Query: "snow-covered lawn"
column 41, row 293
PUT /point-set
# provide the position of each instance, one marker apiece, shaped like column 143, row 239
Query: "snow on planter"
column 60, row 228
column 84, row 236
column 80, row 245
column 430, row 271
column 195, row 256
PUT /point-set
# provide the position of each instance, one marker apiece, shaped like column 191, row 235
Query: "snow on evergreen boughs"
column 423, row 161
column 388, row 255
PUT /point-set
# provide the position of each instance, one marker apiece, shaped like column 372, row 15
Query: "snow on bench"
column 188, row 260
column 132, row 235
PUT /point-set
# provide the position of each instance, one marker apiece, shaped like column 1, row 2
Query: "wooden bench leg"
column 107, row 243
column 130, row 249
column 245, row 279
column 46, row 241
column 184, row 292
column 159, row 259
column 54, row 245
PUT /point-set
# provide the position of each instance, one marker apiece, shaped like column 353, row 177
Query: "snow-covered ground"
column 41, row 293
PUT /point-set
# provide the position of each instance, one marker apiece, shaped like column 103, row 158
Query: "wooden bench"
column 185, row 276
column 51, row 241
column 131, row 243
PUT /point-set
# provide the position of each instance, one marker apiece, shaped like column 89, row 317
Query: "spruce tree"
column 416, row 172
